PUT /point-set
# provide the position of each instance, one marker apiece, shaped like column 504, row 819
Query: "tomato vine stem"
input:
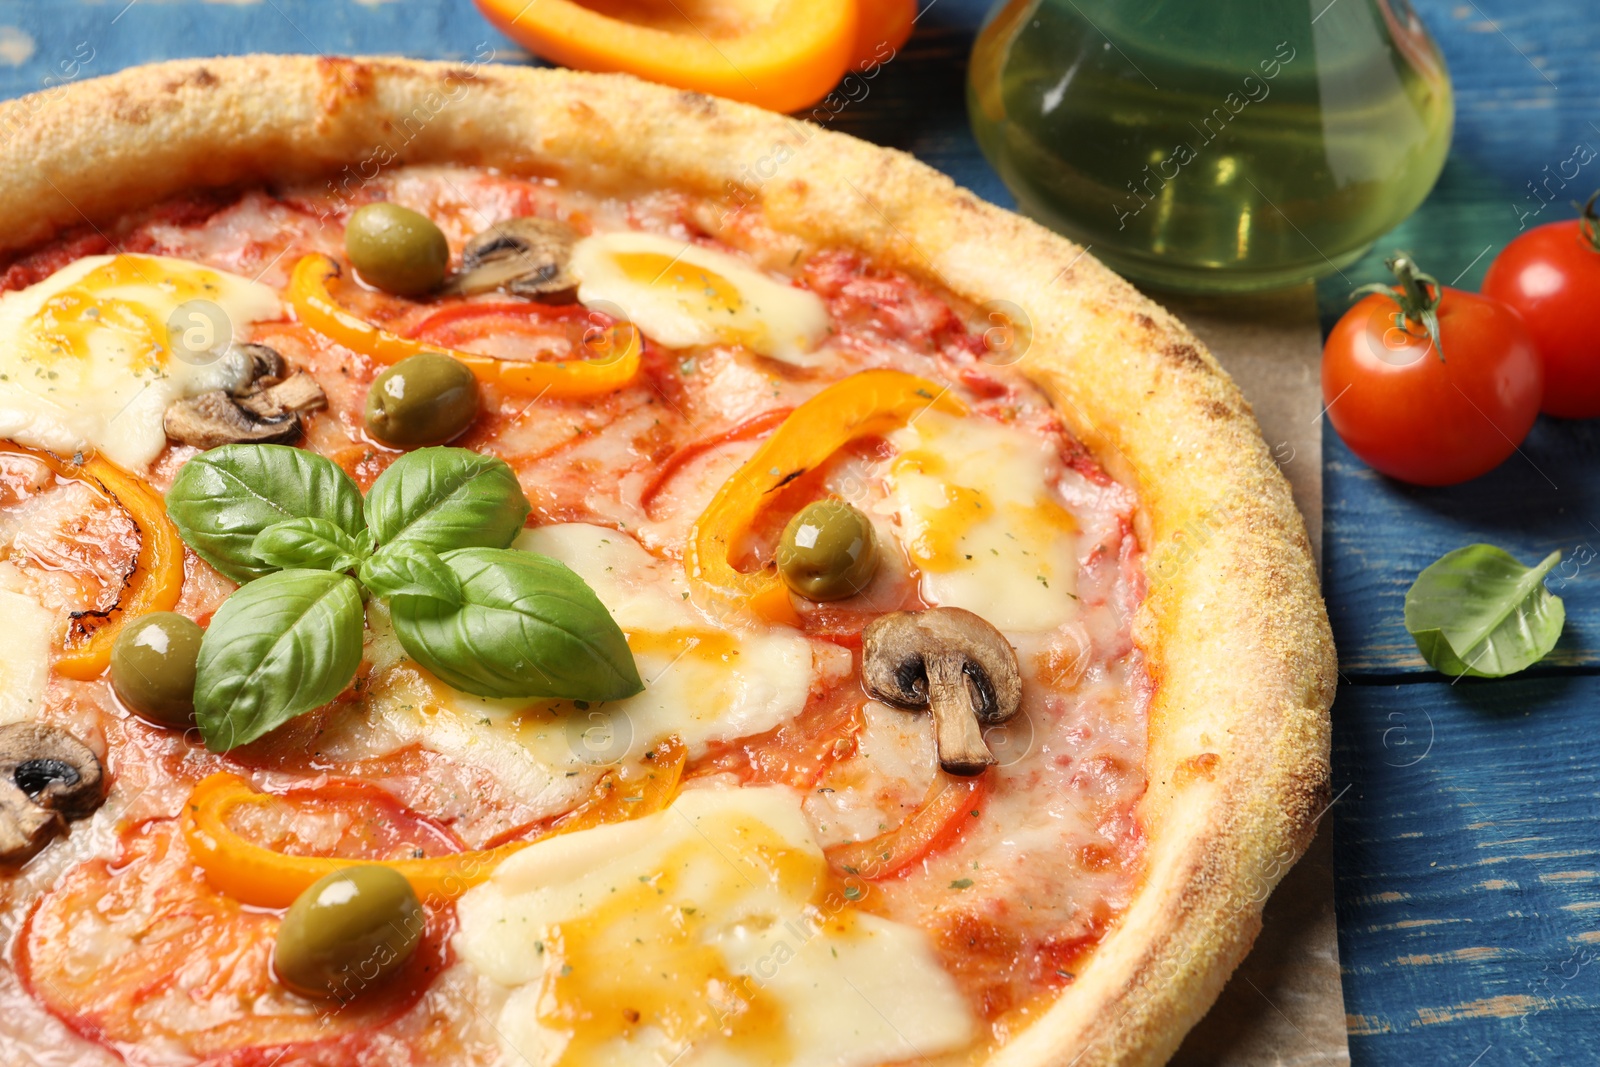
column 1589, row 222
column 1418, row 295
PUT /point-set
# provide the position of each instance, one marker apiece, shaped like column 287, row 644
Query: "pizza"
column 493, row 576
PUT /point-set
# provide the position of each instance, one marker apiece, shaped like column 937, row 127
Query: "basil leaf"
column 277, row 648
column 222, row 499
column 446, row 498
column 314, row 543
column 407, row 569
column 527, row 627
column 1477, row 611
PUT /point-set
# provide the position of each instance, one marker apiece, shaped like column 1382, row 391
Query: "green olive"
column 425, row 399
column 152, row 667
column 828, row 551
column 347, row 931
column 396, row 249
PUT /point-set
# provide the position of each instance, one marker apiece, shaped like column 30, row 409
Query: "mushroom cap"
column 265, row 362
column 46, row 777
column 896, row 648
column 526, row 256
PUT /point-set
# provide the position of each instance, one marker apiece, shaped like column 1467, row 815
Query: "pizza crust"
column 1234, row 629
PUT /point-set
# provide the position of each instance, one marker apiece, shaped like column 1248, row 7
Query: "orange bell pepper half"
column 614, row 351
column 156, row 582
column 882, row 28
column 871, row 402
column 784, row 55
column 260, row 876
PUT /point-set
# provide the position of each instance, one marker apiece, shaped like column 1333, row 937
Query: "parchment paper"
column 1284, row 1006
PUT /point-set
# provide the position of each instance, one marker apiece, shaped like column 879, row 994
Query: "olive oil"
column 1231, row 145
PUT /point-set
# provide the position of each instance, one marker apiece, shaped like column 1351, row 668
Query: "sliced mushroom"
column 47, row 776
column 296, row 395
column 266, row 409
column 949, row 661
column 526, row 256
column 265, row 363
column 215, row 418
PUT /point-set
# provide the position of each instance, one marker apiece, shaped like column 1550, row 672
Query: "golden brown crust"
column 1235, row 632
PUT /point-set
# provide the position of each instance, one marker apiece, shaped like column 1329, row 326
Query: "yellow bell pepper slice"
column 871, row 402
column 616, row 363
column 157, row 579
column 783, row 55
column 256, row 875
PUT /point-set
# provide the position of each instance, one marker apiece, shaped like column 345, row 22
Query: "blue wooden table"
column 1466, row 837
column 1467, row 857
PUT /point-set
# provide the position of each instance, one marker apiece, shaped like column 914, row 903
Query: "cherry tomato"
column 1430, row 406
column 1551, row 276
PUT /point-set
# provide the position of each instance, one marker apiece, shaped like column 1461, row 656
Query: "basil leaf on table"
column 407, row 569
column 1477, row 611
column 222, row 499
column 527, row 626
column 277, row 648
column 314, row 543
column 446, row 498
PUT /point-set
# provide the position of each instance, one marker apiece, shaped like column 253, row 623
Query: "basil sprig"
column 431, row 536
column 1477, row 611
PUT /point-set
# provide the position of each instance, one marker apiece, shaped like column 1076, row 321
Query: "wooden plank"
column 1379, row 534
column 1468, row 870
column 42, row 37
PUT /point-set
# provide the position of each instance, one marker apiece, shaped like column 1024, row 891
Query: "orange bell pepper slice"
column 784, row 55
column 952, row 804
column 871, row 402
column 260, row 876
column 616, row 352
column 157, row 579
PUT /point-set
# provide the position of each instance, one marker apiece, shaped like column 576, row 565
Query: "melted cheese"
column 881, row 784
column 703, row 682
column 528, row 748
column 980, row 520
column 705, row 934
column 25, row 653
column 684, row 296
column 92, row 356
